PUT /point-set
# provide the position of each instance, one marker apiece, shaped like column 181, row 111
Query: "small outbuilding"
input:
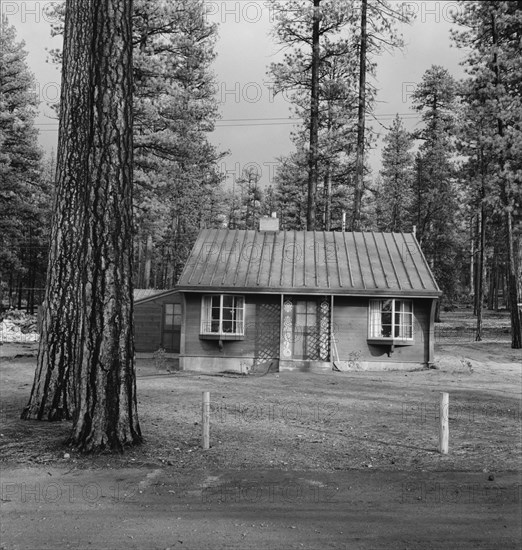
column 305, row 300
column 157, row 320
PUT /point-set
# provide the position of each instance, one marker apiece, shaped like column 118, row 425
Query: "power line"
column 281, row 121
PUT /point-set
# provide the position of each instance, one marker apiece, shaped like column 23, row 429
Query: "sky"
column 254, row 126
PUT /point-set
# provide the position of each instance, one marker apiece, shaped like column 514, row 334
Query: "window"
column 172, row 315
column 391, row 319
column 222, row 315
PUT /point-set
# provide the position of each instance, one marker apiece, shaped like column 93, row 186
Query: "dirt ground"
column 340, row 460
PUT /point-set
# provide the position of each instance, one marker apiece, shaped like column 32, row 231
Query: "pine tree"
column 395, row 190
column 435, row 190
column 24, row 195
column 90, row 275
column 176, row 177
column 492, row 34
column 325, row 74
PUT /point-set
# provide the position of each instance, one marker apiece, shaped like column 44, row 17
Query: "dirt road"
column 346, row 460
column 155, row 508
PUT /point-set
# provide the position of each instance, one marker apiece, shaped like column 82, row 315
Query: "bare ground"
column 340, row 460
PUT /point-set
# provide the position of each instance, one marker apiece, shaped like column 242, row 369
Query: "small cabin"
column 272, row 300
column 157, row 320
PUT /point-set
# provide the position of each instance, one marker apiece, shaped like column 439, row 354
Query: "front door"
column 306, row 328
column 171, row 332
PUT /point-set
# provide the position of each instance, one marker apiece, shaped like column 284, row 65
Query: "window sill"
column 226, row 336
column 390, row 342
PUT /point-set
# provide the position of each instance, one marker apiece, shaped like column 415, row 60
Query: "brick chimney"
column 269, row 224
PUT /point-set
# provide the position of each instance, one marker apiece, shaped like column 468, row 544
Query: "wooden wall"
column 148, row 321
column 350, row 324
column 261, row 340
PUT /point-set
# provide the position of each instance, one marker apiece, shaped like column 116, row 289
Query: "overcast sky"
column 254, row 126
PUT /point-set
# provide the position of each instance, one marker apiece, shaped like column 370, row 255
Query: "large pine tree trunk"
column 89, row 294
column 61, row 324
column 106, row 412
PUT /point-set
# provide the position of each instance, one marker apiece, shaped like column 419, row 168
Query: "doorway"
column 306, row 328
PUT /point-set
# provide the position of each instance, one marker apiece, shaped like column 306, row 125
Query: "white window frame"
column 375, row 320
column 237, row 320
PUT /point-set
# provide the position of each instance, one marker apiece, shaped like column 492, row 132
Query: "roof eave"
column 316, row 291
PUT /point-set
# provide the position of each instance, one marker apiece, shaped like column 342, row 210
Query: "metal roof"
column 143, row 293
column 311, row 262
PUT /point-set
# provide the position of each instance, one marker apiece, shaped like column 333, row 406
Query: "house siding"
column 148, row 321
column 350, row 326
column 253, row 350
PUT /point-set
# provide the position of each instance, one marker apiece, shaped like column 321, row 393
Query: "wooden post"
column 444, row 423
column 205, row 421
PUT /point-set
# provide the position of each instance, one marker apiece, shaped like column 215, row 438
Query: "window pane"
column 177, row 309
column 228, row 317
column 221, row 314
column 386, row 324
column 168, row 318
column 375, row 318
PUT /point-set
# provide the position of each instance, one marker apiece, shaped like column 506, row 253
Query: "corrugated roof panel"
column 388, row 263
column 345, row 260
column 307, row 261
column 288, row 255
column 321, row 260
column 372, row 254
column 305, row 253
column 220, row 251
column 423, row 267
column 333, row 253
column 400, row 259
column 142, row 293
column 362, row 261
column 380, row 253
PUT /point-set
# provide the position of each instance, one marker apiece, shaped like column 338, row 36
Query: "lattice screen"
column 268, row 324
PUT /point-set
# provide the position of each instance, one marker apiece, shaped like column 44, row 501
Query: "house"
column 301, row 300
column 157, row 320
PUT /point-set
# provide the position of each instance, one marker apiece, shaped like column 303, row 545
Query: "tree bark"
column 313, row 173
column 106, row 412
column 472, row 265
column 148, row 262
column 480, row 268
column 359, row 160
column 96, row 156
column 51, row 394
column 508, row 204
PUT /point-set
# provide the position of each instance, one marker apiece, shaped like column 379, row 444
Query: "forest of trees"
column 455, row 181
